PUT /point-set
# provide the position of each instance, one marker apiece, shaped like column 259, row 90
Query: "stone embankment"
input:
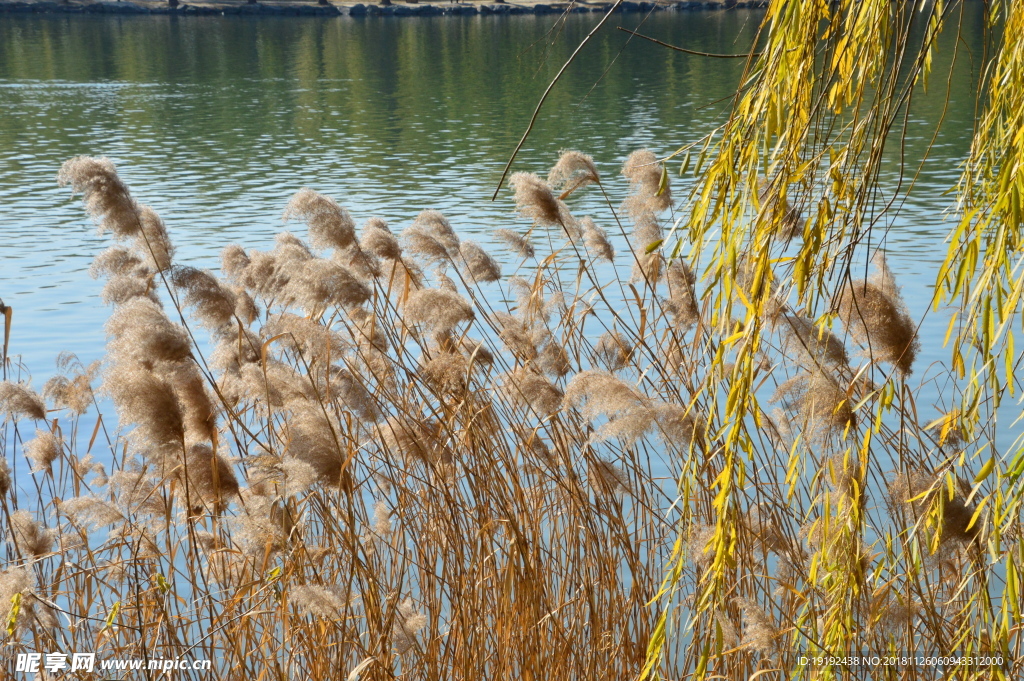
column 358, row 9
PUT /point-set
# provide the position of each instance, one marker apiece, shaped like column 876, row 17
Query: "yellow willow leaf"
column 109, row 621
column 12, row 618
column 978, row 511
column 985, row 471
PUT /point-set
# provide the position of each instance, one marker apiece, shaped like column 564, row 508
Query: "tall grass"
column 375, row 454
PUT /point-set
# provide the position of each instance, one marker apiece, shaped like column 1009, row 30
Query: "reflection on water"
column 216, row 122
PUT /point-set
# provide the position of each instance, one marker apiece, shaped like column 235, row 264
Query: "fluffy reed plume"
column 815, row 345
column 778, row 429
column 19, row 608
column 891, row 612
column 150, row 403
column 265, row 274
column 412, row 439
column 43, row 450
column 264, row 528
column 877, row 318
column 476, row 352
column 669, row 422
column 87, row 465
column 91, row 512
column 516, row 336
column 362, row 263
column 232, row 353
column 613, row 351
column 760, row 631
column 381, row 519
column 444, row 282
column 116, row 260
column 299, row 476
column 553, row 358
column 5, row 478
column 408, row 622
column 682, row 294
column 646, row 231
column 647, row 259
column 291, row 251
column 791, row 223
column 137, row 494
column 573, row 171
column 122, row 288
column 768, row 531
column 378, row 240
column 209, row 479
column 31, row 538
column 274, row 385
column 307, row 338
column 153, row 241
column 234, row 262
column 346, row 389
column 330, row 225
column 312, row 439
column 480, row 267
column 322, row 283
column 212, row 302
column 446, row 372
column 823, row 407
column 107, row 199
column 519, row 244
column 535, row 200
column 246, row 309
column 730, row 639
column 529, row 299
column 596, row 241
column 700, row 544
column 139, row 330
column 20, row 401
column 329, row 602
column 607, row 479
column 923, row 492
column 436, row 225
column 651, row 189
column 598, row 393
column 437, row 310
column 532, row 389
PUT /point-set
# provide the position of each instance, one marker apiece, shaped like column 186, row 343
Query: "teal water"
column 215, row 122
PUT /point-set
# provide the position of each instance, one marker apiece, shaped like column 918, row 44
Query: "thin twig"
column 551, row 85
column 694, row 52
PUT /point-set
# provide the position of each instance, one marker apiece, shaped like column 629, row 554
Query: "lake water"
column 215, row 122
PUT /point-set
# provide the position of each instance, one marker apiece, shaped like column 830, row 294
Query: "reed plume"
column 30, row 536
column 20, row 401
column 378, row 239
column 43, row 450
column 330, row 225
column 535, row 200
column 652, row 192
column 877, row 318
column 519, row 244
column 107, row 199
column 438, row 310
column 596, row 240
column 480, row 267
column 573, row 171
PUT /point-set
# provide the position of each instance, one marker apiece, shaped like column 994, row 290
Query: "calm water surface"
column 216, row 122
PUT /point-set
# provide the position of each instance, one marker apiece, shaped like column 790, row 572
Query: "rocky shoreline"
column 359, row 9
